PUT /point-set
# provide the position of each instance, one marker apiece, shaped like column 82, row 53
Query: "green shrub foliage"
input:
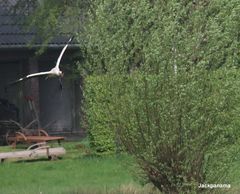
column 169, row 89
column 153, row 35
column 170, row 122
column 97, row 96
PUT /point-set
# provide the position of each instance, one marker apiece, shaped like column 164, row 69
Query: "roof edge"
column 49, row 46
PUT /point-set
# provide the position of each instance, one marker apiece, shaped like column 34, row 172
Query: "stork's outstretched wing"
column 53, row 72
column 62, row 52
column 29, row 76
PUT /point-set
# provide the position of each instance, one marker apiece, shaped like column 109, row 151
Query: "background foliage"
column 154, row 35
column 52, row 18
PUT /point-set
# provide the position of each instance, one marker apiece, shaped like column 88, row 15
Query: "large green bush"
column 174, row 94
column 173, row 123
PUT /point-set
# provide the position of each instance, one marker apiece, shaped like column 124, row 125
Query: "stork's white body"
column 54, row 72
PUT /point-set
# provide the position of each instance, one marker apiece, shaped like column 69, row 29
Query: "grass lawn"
column 77, row 172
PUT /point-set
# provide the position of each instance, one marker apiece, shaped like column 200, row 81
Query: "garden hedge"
column 97, row 97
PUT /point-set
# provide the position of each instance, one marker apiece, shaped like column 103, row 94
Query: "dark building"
column 57, row 109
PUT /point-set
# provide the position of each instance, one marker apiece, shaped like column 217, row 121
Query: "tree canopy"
column 50, row 18
column 152, row 35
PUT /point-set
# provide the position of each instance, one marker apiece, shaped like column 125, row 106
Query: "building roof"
column 13, row 33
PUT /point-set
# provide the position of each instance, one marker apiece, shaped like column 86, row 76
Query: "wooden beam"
column 33, row 154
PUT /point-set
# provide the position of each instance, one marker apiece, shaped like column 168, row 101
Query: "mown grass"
column 78, row 172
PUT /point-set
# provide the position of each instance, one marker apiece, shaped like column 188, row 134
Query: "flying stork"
column 54, row 72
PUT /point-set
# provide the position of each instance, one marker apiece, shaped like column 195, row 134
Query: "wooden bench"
column 20, row 137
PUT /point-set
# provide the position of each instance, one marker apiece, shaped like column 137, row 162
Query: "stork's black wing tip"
column 60, row 84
